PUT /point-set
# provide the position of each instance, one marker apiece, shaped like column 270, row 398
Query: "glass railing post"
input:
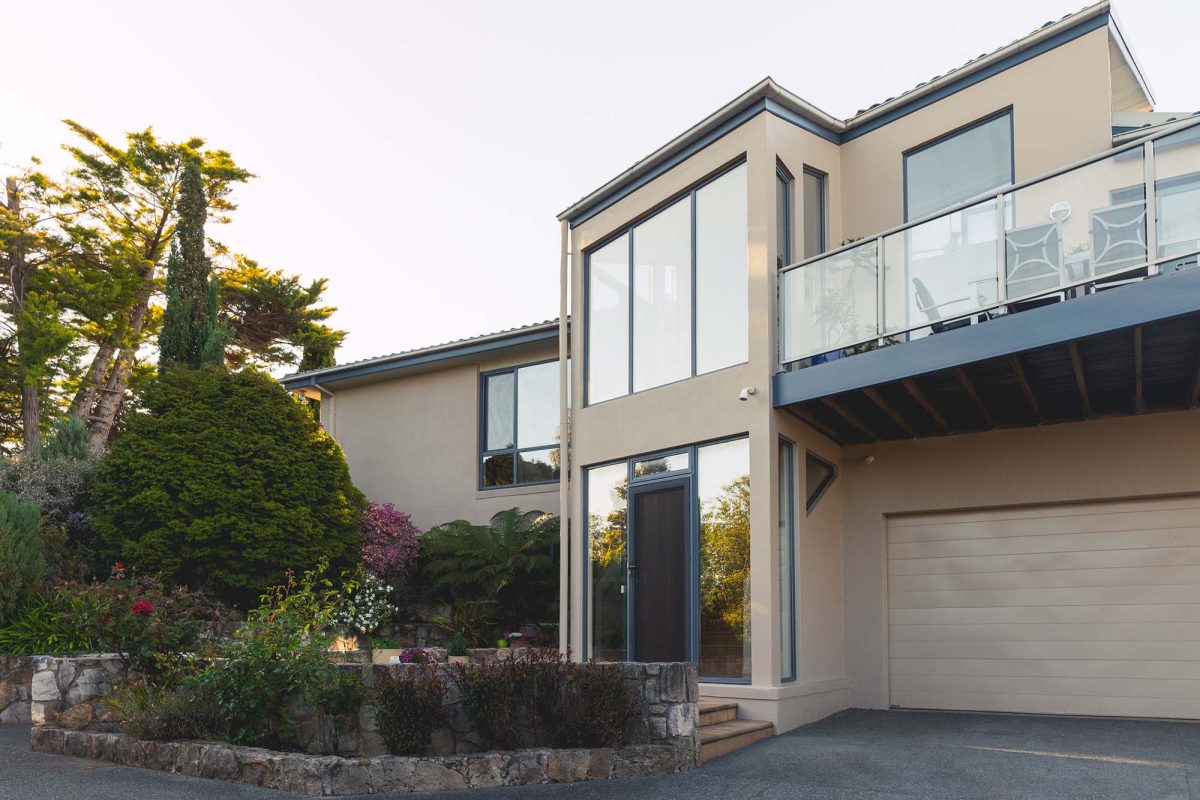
column 1001, row 255
column 1151, row 212
column 879, row 288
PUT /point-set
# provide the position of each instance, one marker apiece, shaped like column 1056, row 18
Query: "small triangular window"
column 818, row 475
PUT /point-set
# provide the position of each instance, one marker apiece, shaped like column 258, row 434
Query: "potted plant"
column 457, row 652
column 383, row 650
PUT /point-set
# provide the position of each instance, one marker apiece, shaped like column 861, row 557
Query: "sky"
column 417, row 154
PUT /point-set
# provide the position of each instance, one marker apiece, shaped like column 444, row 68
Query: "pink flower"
column 143, row 608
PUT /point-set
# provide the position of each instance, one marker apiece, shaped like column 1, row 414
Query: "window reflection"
column 608, row 494
column 608, row 321
column 662, row 298
column 723, row 475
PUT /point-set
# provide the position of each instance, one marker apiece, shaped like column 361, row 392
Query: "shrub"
column 389, row 542
column 225, row 482
column 473, row 620
column 46, row 625
column 364, row 606
column 187, row 711
column 281, row 654
column 509, row 561
column 148, row 625
column 458, row 646
column 408, row 708
column 21, row 563
column 543, row 698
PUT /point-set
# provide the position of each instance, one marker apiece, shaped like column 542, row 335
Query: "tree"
column 21, row 562
column 270, row 315
column 123, row 204
column 224, row 482
column 725, row 555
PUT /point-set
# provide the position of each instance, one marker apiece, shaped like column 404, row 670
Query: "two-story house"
column 897, row 410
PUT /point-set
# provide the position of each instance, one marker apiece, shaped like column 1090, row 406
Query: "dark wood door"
column 659, row 571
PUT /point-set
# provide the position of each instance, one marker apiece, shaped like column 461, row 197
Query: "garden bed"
column 335, row 775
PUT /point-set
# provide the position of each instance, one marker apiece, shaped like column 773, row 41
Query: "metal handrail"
column 993, row 193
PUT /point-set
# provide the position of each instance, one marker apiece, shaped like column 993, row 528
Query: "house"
column 893, row 411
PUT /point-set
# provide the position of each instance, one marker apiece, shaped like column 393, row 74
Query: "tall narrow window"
column 959, row 166
column 520, row 426
column 723, row 489
column 814, row 212
column 608, row 321
column 722, row 330
column 662, row 298
column 607, row 503
column 787, row 562
column 783, row 217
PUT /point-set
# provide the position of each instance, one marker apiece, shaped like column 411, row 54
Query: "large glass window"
column 607, row 501
column 691, row 255
column 787, row 562
column 608, row 321
column 783, row 217
column 722, row 329
column 520, row 437
column 814, row 213
column 662, row 298
column 723, row 489
column 959, row 167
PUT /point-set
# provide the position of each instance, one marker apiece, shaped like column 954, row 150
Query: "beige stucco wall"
column 1061, row 113
column 1129, row 457
column 413, row 441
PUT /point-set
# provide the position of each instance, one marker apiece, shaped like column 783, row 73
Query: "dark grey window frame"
column 790, row 475
column 992, row 117
column 784, row 176
column 822, row 208
column 691, row 472
column 515, row 450
column 811, row 502
column 628, row 228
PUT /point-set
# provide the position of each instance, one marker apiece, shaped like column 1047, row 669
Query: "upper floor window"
column 520, row 437
column 666, row 299
column 814, row 212
column 959, row 166
column 783, row 216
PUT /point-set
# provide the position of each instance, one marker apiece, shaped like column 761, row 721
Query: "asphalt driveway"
column 855, row 755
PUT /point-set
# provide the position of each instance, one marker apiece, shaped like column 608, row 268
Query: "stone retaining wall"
column 334, row 775
column 665, row 696
column 44, row 689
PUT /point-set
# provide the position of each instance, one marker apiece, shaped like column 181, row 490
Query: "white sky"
column 416, row 153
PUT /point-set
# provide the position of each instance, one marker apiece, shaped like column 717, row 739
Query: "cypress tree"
column 191, row 334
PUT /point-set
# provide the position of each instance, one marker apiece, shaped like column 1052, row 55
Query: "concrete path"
column 855, row 755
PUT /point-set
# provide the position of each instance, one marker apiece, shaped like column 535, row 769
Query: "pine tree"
column 191, row 334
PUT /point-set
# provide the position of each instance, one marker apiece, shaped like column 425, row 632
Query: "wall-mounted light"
column 744, row 394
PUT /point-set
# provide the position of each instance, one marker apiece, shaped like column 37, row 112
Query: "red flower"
column 143, row 608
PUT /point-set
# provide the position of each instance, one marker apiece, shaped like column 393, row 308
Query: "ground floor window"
column 787, row 561
column 671, row 580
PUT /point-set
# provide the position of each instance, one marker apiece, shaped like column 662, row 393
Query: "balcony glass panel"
column 1077, row 226
column 1177, row 196
column 830, row 303
column 940, row 270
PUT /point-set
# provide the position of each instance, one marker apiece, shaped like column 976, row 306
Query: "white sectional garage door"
column 1089, row 608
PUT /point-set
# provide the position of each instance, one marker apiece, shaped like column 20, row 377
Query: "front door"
column 659, row 570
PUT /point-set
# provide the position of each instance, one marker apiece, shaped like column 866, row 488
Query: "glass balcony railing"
column 1131, row 212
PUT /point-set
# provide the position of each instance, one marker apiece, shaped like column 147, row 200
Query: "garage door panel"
column 1035, row 632
column 1064, row 687
column 1131, row 520
column 1142, row 557
column 966, row 516
column 1079, row 596
column 1057, row 543
column 1047, row 579
column 1043, row 704
column 1178, row 612
column 1126, row 651
column 1045, row 668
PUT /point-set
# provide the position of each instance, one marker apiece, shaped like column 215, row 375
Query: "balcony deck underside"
column 1129, row 350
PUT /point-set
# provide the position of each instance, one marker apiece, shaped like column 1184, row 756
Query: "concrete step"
column 723, row 738
column 712, row 713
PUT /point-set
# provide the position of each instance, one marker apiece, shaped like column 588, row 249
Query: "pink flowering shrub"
column 389, row 541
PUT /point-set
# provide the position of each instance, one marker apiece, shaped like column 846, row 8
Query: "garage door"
column 1090, row 608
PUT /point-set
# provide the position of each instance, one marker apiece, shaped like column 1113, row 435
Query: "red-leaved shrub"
column 389, row 541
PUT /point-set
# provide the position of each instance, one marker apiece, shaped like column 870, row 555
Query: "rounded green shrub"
column 21, row 563
column 225, row 482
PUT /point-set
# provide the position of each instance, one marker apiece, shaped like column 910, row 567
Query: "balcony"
column 947, row 307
